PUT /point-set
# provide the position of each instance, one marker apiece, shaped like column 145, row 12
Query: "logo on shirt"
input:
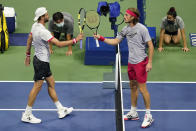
column 132, row 35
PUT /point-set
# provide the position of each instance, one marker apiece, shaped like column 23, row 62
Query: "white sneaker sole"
column 148, row 125
column 69, row 110
column 29, row 121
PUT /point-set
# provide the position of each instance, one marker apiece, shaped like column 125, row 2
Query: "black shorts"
column 171, row 33
column 41, row 69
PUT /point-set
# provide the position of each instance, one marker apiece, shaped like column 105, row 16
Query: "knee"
column 38, row 87
column 133, row 86
column 143, row 90
column 167, row 41
column 51, row 85
column 176, row 41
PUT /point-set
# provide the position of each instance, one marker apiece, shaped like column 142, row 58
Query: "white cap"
column 39, row 12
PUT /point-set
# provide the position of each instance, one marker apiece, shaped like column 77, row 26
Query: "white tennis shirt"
column 41, row 39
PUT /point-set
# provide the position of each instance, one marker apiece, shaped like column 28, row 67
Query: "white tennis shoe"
column 30, row 118
column 63, row 112
column 131, row 116
column 148, row 120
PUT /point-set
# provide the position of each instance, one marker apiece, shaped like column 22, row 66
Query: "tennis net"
column 120, row 126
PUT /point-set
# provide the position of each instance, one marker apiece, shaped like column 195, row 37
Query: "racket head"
column 81, row 19
column 92, row 19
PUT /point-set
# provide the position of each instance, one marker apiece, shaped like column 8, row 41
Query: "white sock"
column 58, row 105
column 147, row 111
column 133, row 109
column 28, row 109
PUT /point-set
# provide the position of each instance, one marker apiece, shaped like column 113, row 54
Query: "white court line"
column 180, row 82
column 193, row 82
column 101, row 110
column 55, row 81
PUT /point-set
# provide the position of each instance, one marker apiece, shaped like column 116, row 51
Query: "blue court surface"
column 173, row 107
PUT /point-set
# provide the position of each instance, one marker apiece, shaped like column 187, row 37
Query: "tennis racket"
column 93, row 22
column 81, row 22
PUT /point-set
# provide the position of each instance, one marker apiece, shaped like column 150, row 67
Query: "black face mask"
column 170, row 22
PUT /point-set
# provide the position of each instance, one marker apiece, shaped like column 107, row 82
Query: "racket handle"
column 97, row 42
column 80, row 44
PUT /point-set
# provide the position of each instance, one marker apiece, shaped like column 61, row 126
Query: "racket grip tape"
column 80, row 44
column 97, row 42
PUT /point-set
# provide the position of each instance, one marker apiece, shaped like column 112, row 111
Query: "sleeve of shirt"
column 121, row 35
column 46, row 35
column 146, row 35
column 181, row 23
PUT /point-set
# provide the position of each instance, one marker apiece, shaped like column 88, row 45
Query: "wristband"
column 74, row 41
column 28, row 54
column 101, row 38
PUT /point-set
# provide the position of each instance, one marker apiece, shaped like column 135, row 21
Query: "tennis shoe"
column 131, row 116
column 30, row 118
column 64, row 112
column 148, row 120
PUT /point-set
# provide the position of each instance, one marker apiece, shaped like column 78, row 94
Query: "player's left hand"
column 27, row 60
column 69, row 53
column 96, row 36
column 185, row 49
column 148, row 67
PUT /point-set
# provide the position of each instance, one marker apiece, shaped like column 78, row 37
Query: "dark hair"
column 172, row 12
column 40, row 17
column 135, row 11
column 57, row 16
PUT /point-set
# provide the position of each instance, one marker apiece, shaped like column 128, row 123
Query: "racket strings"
column 92, row 19
column 82, row 18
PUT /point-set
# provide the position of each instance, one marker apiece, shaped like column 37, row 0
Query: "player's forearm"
column 150, row 52
column 29, row 42
column 63, row 43
column 112, row 41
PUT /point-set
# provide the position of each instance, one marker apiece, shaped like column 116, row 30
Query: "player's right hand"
column 27, row 60
column 79, row 37
column 96, row 36
column 160, row 49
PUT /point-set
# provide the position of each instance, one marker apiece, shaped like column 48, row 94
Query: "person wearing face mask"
column 139, row 63
column 61, row 24
column 172, row 29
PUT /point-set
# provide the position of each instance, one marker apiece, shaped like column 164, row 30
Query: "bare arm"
column 185, row 49
column 28, row 50
column 61, row 43
column 183, row 37
column 114, row 41
column 161, row 40
column 65, row 43
column 29, row 42
column 150, row 55
column 50, row 45
column 69, row 52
